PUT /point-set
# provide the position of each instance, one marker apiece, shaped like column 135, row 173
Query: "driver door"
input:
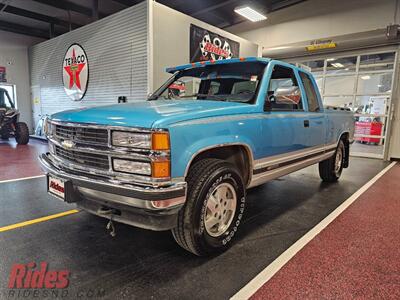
column 284, row 125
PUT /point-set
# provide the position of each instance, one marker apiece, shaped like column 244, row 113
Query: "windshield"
column 5, row 100
column 236, row 82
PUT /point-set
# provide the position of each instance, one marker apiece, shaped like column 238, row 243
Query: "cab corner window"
column 312, row 98
column 284, row 92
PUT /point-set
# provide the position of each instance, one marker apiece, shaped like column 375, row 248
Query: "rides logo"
column 75, row 72
column 31, row 276
column 207, row 45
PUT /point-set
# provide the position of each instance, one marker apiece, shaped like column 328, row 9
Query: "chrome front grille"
column 82, row 135
column 92, row 160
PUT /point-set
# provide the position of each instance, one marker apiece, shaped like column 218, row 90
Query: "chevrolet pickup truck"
column 183, row 159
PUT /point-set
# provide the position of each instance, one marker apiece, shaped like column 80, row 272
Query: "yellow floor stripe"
column 38, row 220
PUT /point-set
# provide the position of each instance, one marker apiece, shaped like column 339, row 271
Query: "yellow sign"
column 322, row 46
column 36, row 100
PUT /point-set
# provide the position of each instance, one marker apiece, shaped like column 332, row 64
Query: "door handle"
column 306, row 123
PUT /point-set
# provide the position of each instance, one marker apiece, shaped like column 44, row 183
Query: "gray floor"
column 139, row 264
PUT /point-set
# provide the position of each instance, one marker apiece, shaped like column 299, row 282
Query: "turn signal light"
column 160, row 141
column 161, row 169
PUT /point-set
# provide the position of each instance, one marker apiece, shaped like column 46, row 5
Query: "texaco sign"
column 75, row 72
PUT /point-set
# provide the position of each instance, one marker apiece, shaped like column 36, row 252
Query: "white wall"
column 315, row 19
column 171, row 40
column 14, row 56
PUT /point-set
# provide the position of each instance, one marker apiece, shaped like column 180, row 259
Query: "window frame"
column 313, row 86
column 297, row 78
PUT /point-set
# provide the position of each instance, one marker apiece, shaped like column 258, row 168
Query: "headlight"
column 132, row 167
column 131, row 139
column 155, row 141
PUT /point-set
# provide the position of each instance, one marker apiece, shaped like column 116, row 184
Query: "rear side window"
column 312, row 98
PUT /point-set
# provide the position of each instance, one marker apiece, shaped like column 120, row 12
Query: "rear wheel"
column 21, row 133
column 331, row 169
column 215, row 203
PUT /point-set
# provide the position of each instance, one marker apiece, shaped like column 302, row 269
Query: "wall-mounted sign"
column 207, row 45
column 3, row 74
column 75, row 72
column 320, row 45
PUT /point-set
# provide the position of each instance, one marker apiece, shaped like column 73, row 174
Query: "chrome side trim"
column 280, row 158
column 247, row 147
column 275, row 173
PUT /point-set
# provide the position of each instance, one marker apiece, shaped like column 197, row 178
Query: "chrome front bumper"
column 153, row 208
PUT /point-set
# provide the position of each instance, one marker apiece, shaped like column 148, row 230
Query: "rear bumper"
column 154, row 208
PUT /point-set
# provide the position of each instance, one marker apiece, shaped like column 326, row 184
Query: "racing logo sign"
column 207, row 45
column 75, row 72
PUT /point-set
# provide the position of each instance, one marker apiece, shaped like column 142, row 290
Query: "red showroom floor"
column 25, row 164
column 356, row 257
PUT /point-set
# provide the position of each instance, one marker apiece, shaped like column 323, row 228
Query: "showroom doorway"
column 364, row 83
column 11, row 89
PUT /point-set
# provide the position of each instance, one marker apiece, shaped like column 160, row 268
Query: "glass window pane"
column 312, row 98
column 367, row 145
column 374, row 83
column 377, row 62
column 339, row 85
column 315, row 66
column 341, row 65
column 320, row 82
column 371, row 105
column 339, row 101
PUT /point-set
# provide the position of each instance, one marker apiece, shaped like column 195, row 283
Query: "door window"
column 283, row 90
column 312, row 98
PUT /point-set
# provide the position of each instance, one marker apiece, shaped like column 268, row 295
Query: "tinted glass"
column 284, row 85
column 312, row 98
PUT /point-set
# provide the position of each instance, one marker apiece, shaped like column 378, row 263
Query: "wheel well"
column 238, row 155
column 345, row 138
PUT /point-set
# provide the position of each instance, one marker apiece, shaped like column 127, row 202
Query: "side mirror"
column 287, row 95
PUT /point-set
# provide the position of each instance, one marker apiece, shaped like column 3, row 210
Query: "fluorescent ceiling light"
column 250, row 14
column 366, row 77
column 330, row 59
column 338, row 65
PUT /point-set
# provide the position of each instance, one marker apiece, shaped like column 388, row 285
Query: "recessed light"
column 250, row 14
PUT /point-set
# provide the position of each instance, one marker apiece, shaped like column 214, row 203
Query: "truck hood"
column 148, row 114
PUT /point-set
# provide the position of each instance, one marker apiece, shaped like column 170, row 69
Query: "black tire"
column 21, row 133
column 331, row 168
column 205, row 178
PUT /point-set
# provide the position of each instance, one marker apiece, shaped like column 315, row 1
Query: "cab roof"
column 218, row 62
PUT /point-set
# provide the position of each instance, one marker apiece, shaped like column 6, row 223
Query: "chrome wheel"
column 338, row 161
column 221, row 207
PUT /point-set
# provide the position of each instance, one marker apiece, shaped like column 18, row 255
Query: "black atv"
column 9, row 125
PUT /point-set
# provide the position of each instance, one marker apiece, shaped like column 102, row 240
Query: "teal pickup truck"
column 182, row 159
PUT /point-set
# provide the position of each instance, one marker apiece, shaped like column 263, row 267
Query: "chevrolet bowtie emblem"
column 68, row 144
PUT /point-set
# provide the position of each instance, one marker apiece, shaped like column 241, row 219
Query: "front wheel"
column 213, row 211
column 331, row 168
column 21, row 133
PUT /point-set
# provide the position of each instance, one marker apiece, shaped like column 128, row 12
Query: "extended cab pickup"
column 183, row 159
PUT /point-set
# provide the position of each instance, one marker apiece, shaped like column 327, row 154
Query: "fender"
column 212, row 143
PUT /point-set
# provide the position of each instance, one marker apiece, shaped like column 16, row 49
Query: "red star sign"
column 73, row 70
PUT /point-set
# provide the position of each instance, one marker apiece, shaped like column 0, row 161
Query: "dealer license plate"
column 56, row 187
